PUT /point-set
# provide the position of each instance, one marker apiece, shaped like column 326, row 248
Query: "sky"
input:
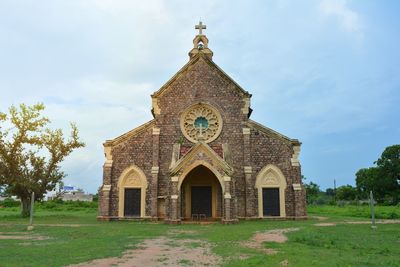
column 326, row 72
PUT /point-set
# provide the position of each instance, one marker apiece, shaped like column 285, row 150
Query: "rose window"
column 201, row 122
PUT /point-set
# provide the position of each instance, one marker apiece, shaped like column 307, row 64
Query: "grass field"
column 58, row 243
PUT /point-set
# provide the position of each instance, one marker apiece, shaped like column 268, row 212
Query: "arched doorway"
column 132, row 185
column 271, row 185
column 201, row 194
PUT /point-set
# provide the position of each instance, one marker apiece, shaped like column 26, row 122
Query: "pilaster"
column 250, row 200
column 227, row 218
column 247, row 173
column 174, row 201
column 155, row 171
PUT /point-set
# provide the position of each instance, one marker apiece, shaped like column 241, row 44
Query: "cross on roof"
column 200, row 27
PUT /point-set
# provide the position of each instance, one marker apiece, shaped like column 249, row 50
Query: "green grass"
column 381, row 212
column 340, row 245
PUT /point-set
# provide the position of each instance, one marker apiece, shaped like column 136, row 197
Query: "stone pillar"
column 104, row 201
column 299, row 194
column 250, row 201
column 299, row 201
column 154, row 172
column 227, row 219
column 154, row 191
column 174, row 201
column 246, row 146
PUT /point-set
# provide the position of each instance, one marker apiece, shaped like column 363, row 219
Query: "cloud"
column 339, row 9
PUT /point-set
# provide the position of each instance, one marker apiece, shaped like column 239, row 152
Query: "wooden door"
column 271, row 204
column 201, row 200
column 132, row 202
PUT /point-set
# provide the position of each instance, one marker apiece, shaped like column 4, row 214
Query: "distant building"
column 71, row 194
column 77, row 195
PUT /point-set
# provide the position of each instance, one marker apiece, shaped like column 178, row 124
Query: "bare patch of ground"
column 324, row 224
column 320, row 218
column 22, row 236
column 276, row 235
column 181, row 231
column 284, row 263
column 163, row 251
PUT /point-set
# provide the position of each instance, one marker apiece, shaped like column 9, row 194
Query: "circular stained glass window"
column 201, row 120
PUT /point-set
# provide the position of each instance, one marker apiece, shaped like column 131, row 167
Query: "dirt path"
column 276, row 235
column 162, row 251
column 21, row 236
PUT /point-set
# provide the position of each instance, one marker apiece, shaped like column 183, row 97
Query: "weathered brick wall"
column 266, row 149
column 137, row 150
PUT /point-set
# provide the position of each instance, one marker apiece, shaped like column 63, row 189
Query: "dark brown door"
column 201, row 200
column 132, row 202
column 271, row 202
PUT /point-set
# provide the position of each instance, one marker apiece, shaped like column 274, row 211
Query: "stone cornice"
column 131, row 133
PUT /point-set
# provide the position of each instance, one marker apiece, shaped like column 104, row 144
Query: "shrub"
column 9, row 202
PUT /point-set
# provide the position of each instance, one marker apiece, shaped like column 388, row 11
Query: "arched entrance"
column 201, row 195
column 271, row 186
column 132, row 185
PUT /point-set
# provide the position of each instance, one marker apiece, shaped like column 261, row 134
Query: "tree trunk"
column 25, row 207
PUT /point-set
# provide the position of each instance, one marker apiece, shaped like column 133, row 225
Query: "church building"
column 201, row 157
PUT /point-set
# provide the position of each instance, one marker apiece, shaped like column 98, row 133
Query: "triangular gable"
column 272, row 133
column 188, row 65
column 208, row 152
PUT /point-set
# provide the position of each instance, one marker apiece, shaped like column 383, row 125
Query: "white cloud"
column 348, row 18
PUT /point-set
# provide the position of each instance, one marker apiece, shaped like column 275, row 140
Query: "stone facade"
column 243, row 156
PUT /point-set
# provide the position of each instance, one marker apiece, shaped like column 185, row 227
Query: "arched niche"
column 132, row 178
column 271, row 177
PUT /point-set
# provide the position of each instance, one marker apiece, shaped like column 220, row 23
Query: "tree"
column 366, row 181
column 389, row 170
column 384, row 179
column 312, row 191
column 30, row 153
column 346, row 192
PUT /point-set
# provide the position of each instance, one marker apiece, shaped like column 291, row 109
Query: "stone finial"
column 200, row 43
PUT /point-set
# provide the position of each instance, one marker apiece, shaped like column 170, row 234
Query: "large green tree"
column 31, row 153
column 384, row 179
column 346, row 192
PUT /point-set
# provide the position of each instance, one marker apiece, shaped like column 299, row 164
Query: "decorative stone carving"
column 270, row 179
column 133, row 180
column 201, row 122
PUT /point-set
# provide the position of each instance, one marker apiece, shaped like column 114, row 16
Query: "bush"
column 59, row 205
column 9, row 203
